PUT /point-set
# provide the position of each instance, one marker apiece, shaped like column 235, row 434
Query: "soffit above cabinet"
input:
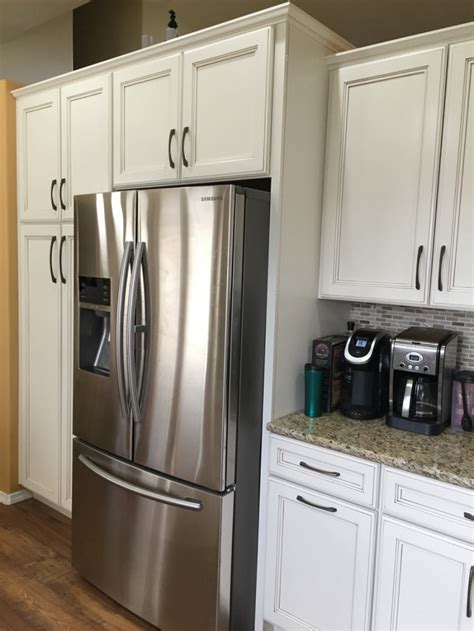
column 286, row 12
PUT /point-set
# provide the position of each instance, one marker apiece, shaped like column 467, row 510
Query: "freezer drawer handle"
column 151, row 495
column 329, row 509
column 333, row 474
column 126, row 260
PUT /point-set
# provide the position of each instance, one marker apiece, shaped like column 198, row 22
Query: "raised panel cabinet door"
column 319, row 561
column 452, row 284
column 66, row 259
column 40, row 359
column 146, row 121
column 38, row 149
column 226, row 107
column 86, row 156
column 384, row 134
column 424, row 581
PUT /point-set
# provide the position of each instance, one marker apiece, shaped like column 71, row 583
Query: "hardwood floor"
column 38, row 587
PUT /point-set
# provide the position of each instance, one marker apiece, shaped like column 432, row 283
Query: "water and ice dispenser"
column 94, row 325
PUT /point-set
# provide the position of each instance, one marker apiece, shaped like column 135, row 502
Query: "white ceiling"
column 18, row 16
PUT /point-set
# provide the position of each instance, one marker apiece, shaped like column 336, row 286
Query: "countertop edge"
column 365, row 454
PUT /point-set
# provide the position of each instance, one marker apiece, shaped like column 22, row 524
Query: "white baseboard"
column 13, row 498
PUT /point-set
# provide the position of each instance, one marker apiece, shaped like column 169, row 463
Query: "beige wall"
column 40, row 53
column 105, row 29
column 8, row 294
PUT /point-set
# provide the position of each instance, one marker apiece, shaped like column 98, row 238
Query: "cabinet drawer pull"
column 333, row 474
column 63, row 278
column 469, row 593
column 53, row 184
column 469, row 516
column 418, row 257
column 61, row 186
column 53, row 277
column 183, row 155
column 442, row 252
column 329, row 509
column 171, row 161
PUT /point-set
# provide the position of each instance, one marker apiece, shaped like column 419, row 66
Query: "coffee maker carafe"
column 422, row 363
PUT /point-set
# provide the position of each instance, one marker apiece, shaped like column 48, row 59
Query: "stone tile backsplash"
column 394, row 319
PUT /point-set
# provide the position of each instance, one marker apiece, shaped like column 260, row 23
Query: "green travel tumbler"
column 313, row 381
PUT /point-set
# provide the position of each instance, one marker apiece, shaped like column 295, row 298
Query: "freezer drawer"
column 158, row 547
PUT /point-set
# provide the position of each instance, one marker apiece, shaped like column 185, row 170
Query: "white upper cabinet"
column 86, row 153
column 319, row 561
column 146, row 122
column 424, row 581
column 38, row 156
column 452, row 283
column 384, row 134
column 226, row 107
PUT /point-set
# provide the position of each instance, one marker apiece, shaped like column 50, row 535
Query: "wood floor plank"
column 39, row 590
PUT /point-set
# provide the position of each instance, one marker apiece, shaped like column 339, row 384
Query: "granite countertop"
column 448, row 457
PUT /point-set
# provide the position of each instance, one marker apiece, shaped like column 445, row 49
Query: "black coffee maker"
column 365, row 386
column 421, row 371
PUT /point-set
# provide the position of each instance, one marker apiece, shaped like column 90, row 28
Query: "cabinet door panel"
column 319, row 563
column 423, row 580
column 380, row 190
column 40, row 354
column 67, row 301
column 38, row 156
column 226, row 87
column 452, row 284
column 146, row 110
column 86, row 140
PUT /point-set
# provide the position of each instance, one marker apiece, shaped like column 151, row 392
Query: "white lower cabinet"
column 423, row 580
column 46, row 302
column 319, row 560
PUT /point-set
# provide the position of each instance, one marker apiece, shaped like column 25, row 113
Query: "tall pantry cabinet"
column 64, row 140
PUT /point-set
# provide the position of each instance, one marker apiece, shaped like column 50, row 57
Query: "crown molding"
column 441, row 37
column 286, row 12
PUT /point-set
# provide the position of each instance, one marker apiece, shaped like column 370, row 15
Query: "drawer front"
column 439, row 506
column 325, row 470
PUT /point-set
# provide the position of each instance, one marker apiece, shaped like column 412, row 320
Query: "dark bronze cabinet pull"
column 63, row 279
column 329, row 509
column 171, row 161
column 469, row 593
column 442, row 252
column 183, row 155
column 53, row 277
column 63, row 182
column 469, row 516
column 53, row 184
column 418, row 257
column 333, row 474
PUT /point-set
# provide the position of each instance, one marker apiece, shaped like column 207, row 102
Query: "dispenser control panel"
column 94, row 291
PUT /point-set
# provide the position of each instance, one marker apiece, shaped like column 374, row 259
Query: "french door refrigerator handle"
column 138, row 490
column 119, row 341
column 145, row 329
column 131, row 331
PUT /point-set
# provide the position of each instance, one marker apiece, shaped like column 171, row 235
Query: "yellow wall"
column 8, row 294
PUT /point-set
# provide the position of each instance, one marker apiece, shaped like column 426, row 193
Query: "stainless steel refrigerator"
column 168, row 384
